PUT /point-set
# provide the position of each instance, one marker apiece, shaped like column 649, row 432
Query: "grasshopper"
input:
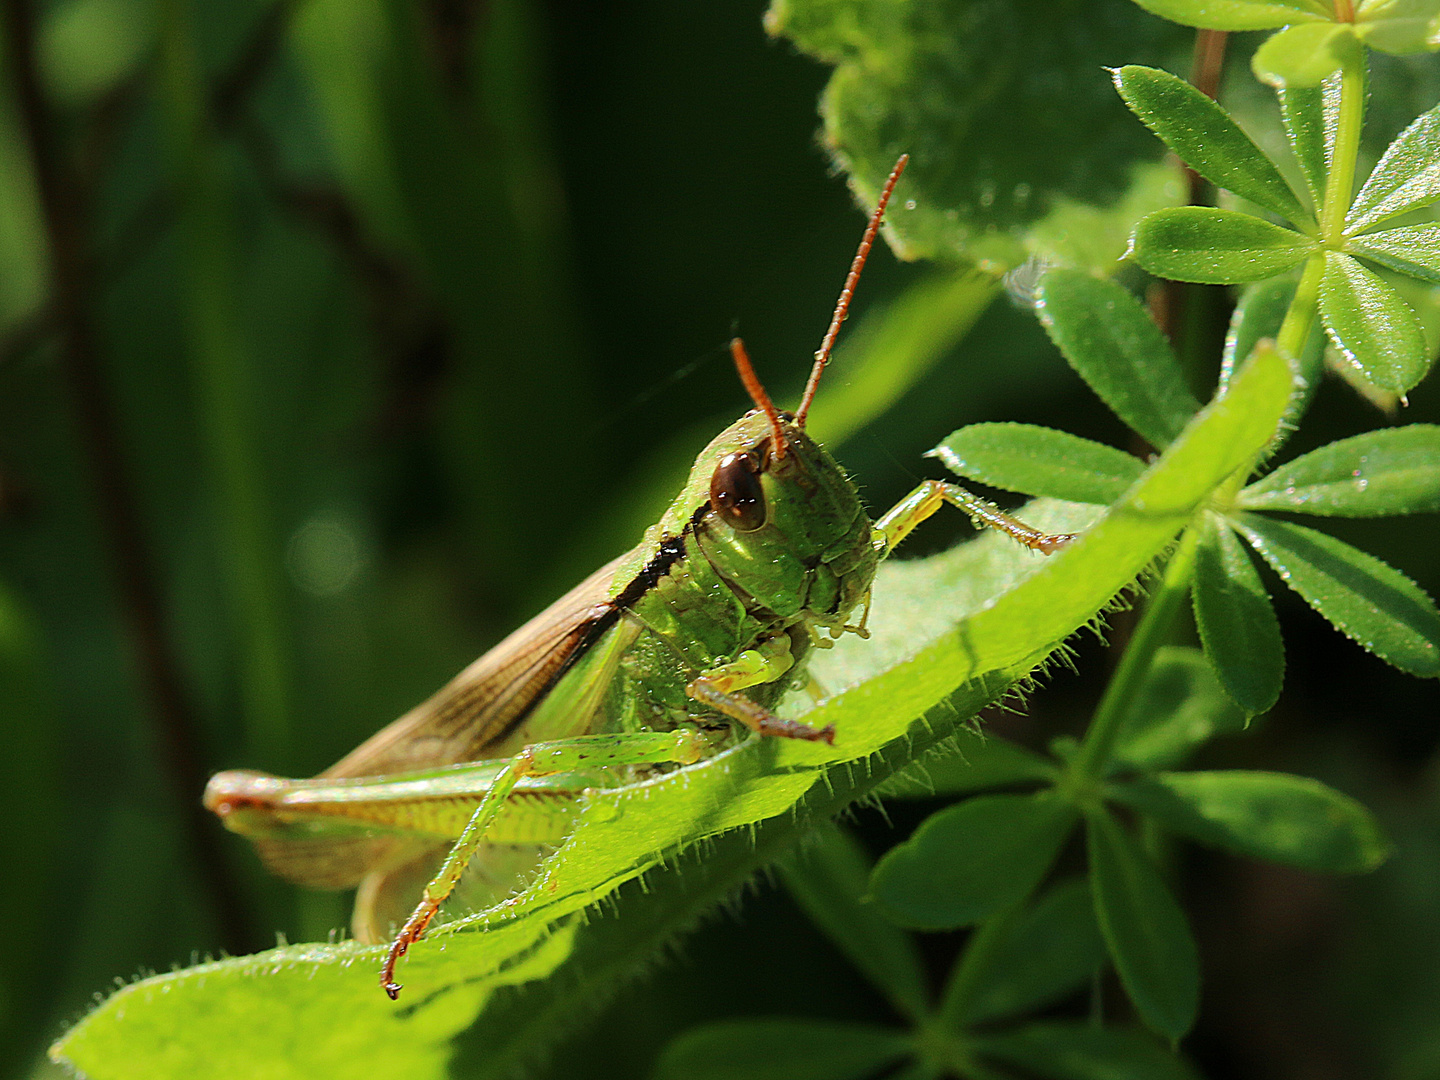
column 662, row 657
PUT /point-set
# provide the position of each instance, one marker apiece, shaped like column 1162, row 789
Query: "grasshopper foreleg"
column 565, row 755
column 910, row 511
column 765, row 663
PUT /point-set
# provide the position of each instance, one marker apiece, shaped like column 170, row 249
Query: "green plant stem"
column 1094, row 753
column 1340, row 183
column 1339, row 188
column 1304, row 307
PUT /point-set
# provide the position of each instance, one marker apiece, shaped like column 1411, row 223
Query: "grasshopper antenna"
column 757, row 393
column 842, row 308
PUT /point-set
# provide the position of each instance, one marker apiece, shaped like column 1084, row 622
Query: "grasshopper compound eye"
column 736, row 494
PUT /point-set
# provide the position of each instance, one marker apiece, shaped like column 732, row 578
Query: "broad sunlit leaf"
column 1004, row 163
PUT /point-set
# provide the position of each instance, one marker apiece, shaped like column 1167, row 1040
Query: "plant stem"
column 1339, row 188
column 1295, row 330
column 1164, row 605
column 1340, row 183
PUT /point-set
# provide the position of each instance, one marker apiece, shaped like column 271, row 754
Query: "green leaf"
column 1274, row 816
column 1413, row 250
column 968, row 861
column 1180, row 706
column 1406, row 177
column 1204, row 136
column 1304, row 55
column 950, row 634
column 1371, row 603
column 1215, row 247
column 997, row 155
column 1110, row 340
column 1399, row 27
column 1237, row 14
column 827, row 878
column 1371, row 324
column 1077, row 1050
column 1390, row 471
column 781, row 1050
column 1236, row 620
column 1144, row 928
column 976, row 761
column 1052, row 950
column 1040, row 461
column 1310, row 114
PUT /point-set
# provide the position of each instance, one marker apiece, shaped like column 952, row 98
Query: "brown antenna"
column 842, row 308
column 757, row 394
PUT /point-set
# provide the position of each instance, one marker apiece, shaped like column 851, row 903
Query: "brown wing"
column 469, row 717
column 466, row 720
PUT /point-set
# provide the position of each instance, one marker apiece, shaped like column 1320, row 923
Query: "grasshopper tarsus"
column 411, row 932
column 398, row 948
column 1054, row 542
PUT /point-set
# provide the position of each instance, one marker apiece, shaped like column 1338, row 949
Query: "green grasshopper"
column 661, row 658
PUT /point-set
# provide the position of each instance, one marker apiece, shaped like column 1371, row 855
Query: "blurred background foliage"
column 338, row 336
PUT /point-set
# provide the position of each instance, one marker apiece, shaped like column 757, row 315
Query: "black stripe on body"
column 591, row 630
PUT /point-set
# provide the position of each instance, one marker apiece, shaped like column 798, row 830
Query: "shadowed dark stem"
column 1179, row 309
column 64, row 209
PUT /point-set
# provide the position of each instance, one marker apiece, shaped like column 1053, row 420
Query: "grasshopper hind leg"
column 578, row 754
column 385, row 898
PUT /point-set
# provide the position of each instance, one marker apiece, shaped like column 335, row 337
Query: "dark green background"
column 485, row 403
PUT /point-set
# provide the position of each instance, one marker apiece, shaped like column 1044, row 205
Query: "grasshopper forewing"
column 674, row 650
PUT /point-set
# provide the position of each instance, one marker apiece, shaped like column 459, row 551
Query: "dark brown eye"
column 736, row 494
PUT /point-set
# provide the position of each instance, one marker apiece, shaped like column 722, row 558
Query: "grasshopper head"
column 783, row 524
column 772, row 512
